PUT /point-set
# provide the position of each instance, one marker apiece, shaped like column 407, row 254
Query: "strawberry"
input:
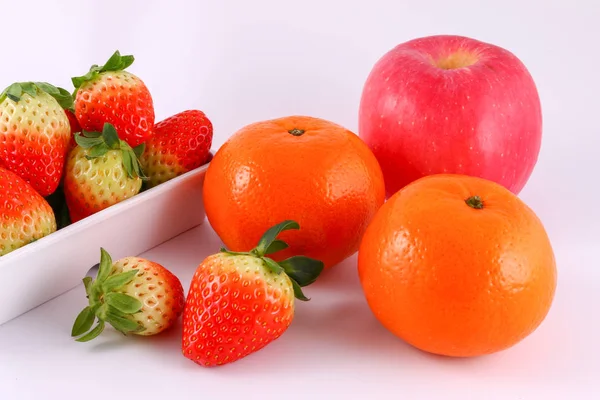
column 101, row 171
column 26, row 216
column 75, row 128
column 108, row 93
column 240, row 302
column 34, row 133
column 180, row 144
column 133, row 295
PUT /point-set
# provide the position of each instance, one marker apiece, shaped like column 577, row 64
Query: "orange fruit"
column 457, row 266
column 296, row 168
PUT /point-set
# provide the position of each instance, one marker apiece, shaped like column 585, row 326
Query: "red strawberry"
column 75, row 128
column 134, row 295
column 107, row 93
column 101, row 171
column 180, row 144
column 34, row 133
column 26, row 216
column 240, row 302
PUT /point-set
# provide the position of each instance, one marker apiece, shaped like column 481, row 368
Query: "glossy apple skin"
column 483, row 120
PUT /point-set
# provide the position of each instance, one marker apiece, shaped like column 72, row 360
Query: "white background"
column 244, row 61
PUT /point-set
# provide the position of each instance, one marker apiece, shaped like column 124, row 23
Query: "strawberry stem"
column 116, row 62
column 100, row 143
column 107, row 303
column 15, row 92
column 271, row 234
column 237, row 253
column 301, row 270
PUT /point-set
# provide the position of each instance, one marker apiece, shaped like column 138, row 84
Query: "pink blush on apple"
column 451, row 104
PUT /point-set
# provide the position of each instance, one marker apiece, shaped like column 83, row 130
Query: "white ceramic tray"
column 44, row 269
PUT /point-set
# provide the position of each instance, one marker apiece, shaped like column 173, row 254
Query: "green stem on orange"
column 475, row 202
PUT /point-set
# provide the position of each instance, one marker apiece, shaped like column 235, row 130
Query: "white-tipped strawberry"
column 34, row 133
column 134, row 295
column 102, row 170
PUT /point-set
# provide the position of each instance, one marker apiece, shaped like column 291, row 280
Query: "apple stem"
column 475, row 202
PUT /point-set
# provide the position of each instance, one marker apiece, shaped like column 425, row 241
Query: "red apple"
column 451, row 104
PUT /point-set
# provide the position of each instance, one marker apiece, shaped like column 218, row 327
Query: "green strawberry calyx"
column 100, row 143
column 107, row 303
column 301, row 270
column 16, row 90
column 116, row 62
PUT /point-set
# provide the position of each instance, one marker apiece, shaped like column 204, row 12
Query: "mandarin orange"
column 296, row 168
column 457, row 266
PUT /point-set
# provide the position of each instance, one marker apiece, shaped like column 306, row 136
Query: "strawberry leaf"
column 131, row 161
column 272, row 265
column 91, row 134
column 13, row 92
column 271, row 234
column 87, row 140
column 64, row 98
column 275, row 246
column 105, row 304
column 137, row 165
column 123, row 302
column 97, row 151
column 101, row 311
column 128, row 163
column 83, row 322
column 137, row 168
column 116, row 62
column 139, row 150
column 105, row 267
column 110, row 136
column 94, row 333
column 113, row 62
column 99, row 143
column 121, row 323
column 80, row 80
column 119, row 280
column 87, row 283
column 16, row 90
column 236, row 253
column 298, row 291
column 113, row 311
column 302, row 269
column 29, row 88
